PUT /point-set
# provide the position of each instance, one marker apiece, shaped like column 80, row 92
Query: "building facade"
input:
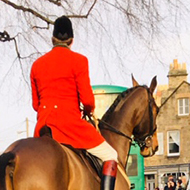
column 173, row 127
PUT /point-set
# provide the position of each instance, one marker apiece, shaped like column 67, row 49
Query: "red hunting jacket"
column 60, row 80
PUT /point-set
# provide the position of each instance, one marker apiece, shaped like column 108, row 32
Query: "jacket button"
column 55, row 106
column 44, row 107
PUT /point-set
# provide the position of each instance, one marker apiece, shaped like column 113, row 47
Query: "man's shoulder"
column 79, row 55
column 42, row 57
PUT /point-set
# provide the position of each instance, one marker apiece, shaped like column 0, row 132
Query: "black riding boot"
column 109, row 171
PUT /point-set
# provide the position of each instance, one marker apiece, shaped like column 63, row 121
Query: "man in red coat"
column 60, row 82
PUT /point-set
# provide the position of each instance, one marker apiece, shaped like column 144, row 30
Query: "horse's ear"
column 153, row 85
column 135, row 83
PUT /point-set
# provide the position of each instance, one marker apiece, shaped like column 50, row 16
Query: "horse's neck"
column 124, row 118
column 119, row 143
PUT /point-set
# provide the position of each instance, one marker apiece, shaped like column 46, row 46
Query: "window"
column 161, row 144
column 132, row 165
column 175, row 175
column 150, row 181
column 173, row 140
column 183, row 106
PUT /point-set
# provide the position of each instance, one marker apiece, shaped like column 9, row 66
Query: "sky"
column 113, row 53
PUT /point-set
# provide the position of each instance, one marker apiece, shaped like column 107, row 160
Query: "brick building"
column 173, row 125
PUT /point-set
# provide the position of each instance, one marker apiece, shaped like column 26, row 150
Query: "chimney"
column 177, row 74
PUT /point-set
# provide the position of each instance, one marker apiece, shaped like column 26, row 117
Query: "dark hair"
column 179, row 181
column 56, row 41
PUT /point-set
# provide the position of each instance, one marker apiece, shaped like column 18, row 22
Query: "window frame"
column 177, row 153
column 183, row 106
column 160, row 137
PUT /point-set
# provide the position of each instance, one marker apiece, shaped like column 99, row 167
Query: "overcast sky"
column 113, row 55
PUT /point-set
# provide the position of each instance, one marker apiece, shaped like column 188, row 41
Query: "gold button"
column 55, row 106
column 44, row 107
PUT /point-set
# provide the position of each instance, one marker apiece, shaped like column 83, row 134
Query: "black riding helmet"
column 63, row 28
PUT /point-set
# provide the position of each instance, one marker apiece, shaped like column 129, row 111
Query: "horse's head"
column 134, row 112
column 145, row 133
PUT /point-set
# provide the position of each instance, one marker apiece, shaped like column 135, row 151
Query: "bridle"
column 145, row 141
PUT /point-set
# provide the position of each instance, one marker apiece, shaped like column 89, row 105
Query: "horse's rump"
column 5, row 160
column 42, row 163
column 37, row 163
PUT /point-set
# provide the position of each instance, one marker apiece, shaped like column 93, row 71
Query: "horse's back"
column 44, row 164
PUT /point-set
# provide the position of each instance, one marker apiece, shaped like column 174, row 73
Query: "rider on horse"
column 60, row 82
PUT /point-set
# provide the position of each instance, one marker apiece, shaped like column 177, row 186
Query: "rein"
column 111, row 128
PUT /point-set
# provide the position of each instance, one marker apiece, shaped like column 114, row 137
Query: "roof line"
column 173, row 92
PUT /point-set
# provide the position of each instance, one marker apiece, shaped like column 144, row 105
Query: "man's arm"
column 35, row 96
column 83, row 85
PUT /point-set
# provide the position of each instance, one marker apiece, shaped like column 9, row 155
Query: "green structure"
column 104, row 97
column 135, row 168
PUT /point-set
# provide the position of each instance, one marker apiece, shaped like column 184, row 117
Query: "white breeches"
column 104, row 151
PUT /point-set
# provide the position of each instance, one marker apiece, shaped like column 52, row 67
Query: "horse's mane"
column 117, row 100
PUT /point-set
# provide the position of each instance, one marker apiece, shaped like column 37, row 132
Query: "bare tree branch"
column 84, row 15
column 146, row 20
column 56, row 2
column 41, row 27
column 47, row 20
column 24, row 9
column 4, row 37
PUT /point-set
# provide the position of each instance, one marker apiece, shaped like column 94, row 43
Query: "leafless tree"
column 27, row 24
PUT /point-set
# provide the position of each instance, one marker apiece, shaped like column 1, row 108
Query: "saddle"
column 93, row 163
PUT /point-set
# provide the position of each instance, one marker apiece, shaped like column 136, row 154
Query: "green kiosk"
column 104, row 97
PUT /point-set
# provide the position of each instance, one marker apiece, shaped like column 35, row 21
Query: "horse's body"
column 43, row 164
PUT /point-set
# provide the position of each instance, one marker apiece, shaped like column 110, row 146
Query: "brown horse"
column 43, row 164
